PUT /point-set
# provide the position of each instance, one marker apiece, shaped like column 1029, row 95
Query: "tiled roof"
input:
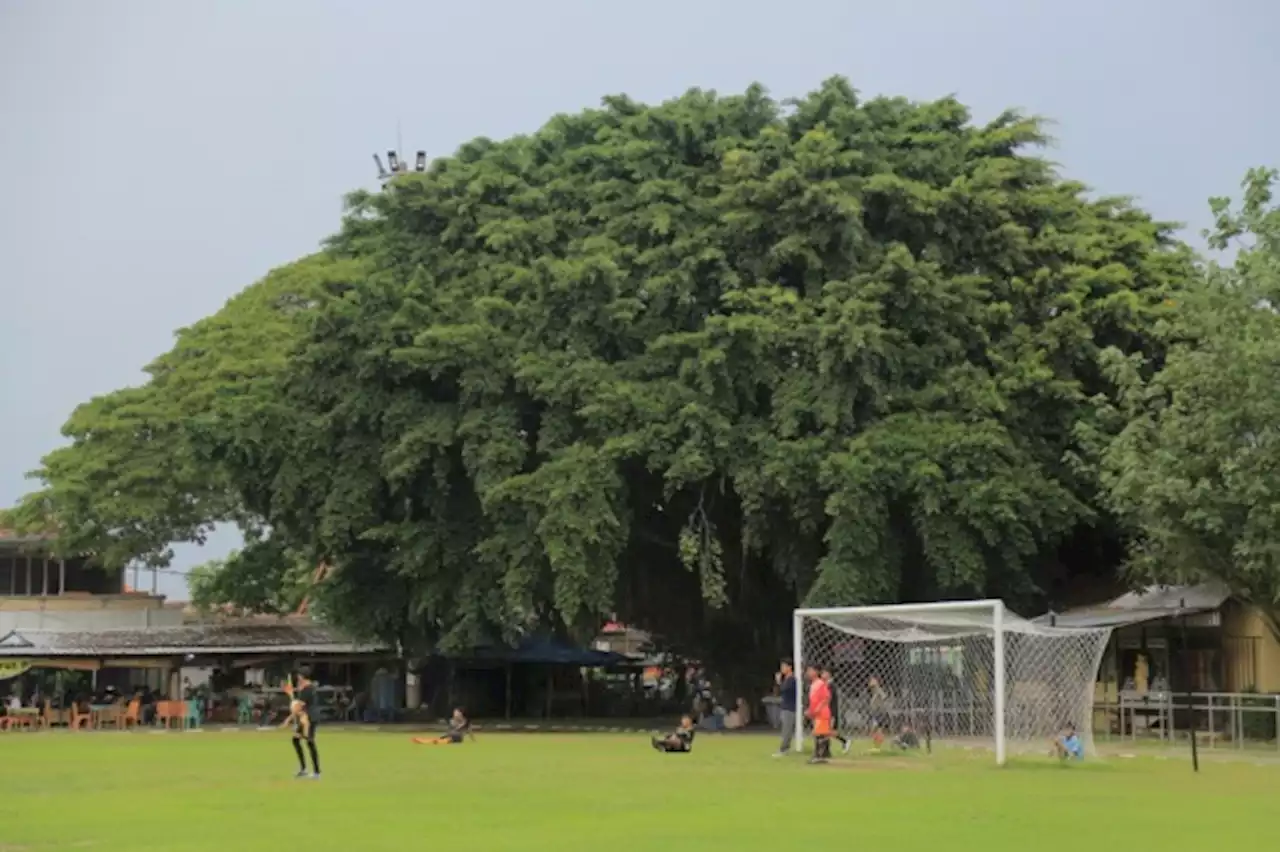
column 174, row 641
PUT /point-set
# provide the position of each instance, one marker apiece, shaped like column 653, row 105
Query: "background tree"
column 1195, row 468
column 694, row 363
column 131, row 482
column 261, row 578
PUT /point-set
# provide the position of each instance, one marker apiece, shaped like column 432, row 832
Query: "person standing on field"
column 820, row 715
column 786, row 680
column 829, row 679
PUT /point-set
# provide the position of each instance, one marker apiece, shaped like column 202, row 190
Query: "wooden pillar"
column 449, row 688
column 62, row 576
column 44, row 578
column 27, row 590
column 412, row 686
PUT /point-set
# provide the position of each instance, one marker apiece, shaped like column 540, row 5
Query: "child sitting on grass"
column 906, row 738
column 679, row 742
column 1067, row 745
column 459, row 729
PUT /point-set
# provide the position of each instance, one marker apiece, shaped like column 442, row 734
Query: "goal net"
column 968, row 673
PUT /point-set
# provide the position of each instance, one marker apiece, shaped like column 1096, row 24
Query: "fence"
column 1228, row 719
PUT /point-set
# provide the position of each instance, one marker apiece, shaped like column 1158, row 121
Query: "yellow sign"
column 8, row 670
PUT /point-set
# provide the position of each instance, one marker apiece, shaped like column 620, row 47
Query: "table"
column 30, row 716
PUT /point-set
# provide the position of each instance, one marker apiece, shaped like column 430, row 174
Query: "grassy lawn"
column 234, row 792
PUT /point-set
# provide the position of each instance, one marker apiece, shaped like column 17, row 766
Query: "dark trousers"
column 311, row 747
column 835, row 728
column 670, row 747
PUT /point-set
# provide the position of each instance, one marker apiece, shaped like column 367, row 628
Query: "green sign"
column 13, row 669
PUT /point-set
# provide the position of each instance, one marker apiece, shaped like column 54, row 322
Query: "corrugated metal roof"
column 174, row 641
column 1149, row 604
column 1175, row 598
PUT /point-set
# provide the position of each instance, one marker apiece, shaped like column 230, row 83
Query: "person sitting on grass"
column 906, row 738
column 678, row 742
column 459, row 729
column 1067, row 745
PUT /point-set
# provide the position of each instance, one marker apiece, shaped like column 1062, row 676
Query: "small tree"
column 1195, row 470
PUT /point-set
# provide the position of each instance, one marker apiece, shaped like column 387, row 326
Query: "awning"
column 546, row 651
column 1150, row 604
column 191, row 640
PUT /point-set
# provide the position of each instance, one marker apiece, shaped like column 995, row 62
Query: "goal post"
column 955, row 672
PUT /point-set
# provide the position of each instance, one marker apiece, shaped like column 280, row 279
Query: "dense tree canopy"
column 1195, row 468
column 689, row 363
column 695, row 362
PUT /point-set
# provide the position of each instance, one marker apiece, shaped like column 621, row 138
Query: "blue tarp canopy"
column 546, row 650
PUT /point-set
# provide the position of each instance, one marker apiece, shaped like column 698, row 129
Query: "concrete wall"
column 97, row 612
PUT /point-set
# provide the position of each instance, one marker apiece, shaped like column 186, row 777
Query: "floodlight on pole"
column 398, row 165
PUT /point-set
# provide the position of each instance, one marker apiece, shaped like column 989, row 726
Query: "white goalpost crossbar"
column 968, row 672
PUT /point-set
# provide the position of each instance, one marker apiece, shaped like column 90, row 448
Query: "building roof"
column 1149, row 604
column 202, row 639
column 10, row 537
column 544, row 650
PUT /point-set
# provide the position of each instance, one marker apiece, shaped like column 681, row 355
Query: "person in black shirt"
column 304, row 691
column 303, row 731
column 679, row 742
column 845, row 742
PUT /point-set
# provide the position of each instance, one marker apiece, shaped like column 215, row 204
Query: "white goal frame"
column 992, row 618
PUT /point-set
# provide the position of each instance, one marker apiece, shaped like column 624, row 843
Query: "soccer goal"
column 964, row 673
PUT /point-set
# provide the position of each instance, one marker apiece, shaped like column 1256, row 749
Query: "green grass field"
column 234, row 792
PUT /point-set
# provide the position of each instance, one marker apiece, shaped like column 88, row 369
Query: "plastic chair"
column 131, row 716
column 76, row 720
column 244, row 709
column 168, row 712
column 50, row 717
column 195, row 712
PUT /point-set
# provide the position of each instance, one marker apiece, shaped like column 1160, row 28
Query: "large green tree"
column 694, row 363
column 1195, row 467
column 690, row 363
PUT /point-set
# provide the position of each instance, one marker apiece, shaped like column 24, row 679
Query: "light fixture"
column 382, row 172
column 420, row 165
column 393, row 160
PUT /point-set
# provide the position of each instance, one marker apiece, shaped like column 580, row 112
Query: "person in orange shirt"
column 819, row 714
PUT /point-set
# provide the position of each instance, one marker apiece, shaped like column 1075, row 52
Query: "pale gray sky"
column 158, row 156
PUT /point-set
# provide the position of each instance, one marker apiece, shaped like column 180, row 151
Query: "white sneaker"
column 848, row 744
